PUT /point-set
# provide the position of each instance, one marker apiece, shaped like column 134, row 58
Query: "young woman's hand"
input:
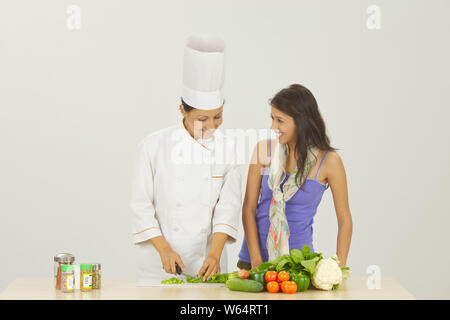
column 210, row 267
column 256, row 262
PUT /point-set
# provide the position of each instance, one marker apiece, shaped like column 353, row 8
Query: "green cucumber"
column 247, row 285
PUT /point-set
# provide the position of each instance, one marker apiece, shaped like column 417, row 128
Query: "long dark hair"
column 299, row 103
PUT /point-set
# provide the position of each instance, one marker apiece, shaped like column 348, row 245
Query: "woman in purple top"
column 298, row 123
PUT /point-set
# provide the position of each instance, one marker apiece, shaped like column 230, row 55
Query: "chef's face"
column 284, row 126
column 201, row 124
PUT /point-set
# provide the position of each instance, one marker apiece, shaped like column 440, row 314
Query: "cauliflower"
column 328, row 274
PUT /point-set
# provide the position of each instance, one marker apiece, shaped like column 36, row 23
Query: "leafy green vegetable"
column 217, row 278
column 265, row 266
column 305, row 249
column 346, row 273
column 285, row 264
column 172, row 281
column 310, row 265
column 297, row 255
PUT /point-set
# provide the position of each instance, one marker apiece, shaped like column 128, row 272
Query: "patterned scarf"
column 278, row 237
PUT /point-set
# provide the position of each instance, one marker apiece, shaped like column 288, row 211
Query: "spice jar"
column 96, row 276
column 85, row 277
column 67, row 278
column 59, row 260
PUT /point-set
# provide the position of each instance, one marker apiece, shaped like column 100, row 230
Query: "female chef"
column 186, row 195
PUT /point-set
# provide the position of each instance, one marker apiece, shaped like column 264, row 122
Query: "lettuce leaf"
column 310, row 265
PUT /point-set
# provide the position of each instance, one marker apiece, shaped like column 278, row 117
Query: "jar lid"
column 64, row 257
column 85, row 267
column 66, row 267
column 96, row 266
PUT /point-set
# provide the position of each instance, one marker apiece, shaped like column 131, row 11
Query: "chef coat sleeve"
column 227, row 211
column 145, row 223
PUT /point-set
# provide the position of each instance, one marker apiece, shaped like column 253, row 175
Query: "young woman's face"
column 284, row 126
column 201, row 124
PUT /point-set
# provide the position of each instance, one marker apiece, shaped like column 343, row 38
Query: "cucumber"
column 247, row 285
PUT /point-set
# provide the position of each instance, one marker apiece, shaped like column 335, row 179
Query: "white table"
column 353, row 288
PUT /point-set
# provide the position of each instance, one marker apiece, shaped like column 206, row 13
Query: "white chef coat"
column 184, row 202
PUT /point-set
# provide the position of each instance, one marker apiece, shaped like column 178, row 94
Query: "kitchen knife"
column 179, row 271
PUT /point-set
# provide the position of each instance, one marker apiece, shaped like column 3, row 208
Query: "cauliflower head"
column 327, row 274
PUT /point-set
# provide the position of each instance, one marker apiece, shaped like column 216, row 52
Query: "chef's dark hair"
column 186, row 107
column 299, row 103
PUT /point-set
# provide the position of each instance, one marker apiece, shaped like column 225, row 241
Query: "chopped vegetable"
column 172, row 281
column 217, row 278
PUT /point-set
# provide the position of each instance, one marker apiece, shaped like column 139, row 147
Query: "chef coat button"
column 178, row 204
column 176, row 229
column 203, row 230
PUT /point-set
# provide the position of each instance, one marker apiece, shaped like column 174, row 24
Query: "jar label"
column 69, row 282
column 87, row 281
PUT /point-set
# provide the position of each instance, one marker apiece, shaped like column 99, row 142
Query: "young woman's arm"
column 257, row 164
column 338, row 184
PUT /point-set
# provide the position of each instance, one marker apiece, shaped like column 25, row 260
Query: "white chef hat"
column 203, row 72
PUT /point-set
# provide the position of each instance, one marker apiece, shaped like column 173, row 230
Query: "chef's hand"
column 169, row 259
column 168, row 256
column 210, row 267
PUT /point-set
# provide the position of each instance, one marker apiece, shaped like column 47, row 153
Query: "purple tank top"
column 300, row 211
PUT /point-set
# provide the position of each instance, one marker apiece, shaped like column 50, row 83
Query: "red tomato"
column 289, row 287
column 273, row 287
column 282, row 276
column 271, row 276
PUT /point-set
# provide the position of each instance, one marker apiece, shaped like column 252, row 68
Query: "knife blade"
column 179, row 271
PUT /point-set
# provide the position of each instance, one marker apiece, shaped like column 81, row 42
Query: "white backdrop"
column 74, row 104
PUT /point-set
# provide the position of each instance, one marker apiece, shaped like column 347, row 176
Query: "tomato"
column 289, row 287
column 271, row 276
column 282, row 276
column 273, row 287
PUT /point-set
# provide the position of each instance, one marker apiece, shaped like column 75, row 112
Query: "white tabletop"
column 354, row 288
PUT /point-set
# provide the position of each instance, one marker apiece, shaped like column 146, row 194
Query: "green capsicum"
column 301, row 279
column 259, row 276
